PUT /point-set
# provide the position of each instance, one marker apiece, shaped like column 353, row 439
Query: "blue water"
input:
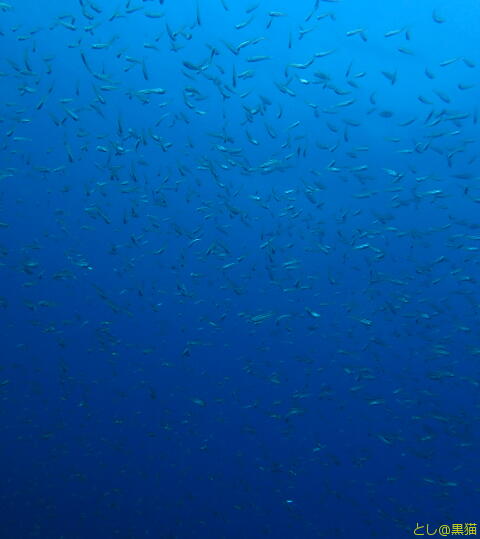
column 239, row 253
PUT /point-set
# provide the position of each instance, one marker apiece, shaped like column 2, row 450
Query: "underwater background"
column 239, row 256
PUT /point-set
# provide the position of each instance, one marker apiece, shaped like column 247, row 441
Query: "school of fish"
column 266, row 211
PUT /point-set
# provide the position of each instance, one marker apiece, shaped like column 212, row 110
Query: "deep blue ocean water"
column 239, row 255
